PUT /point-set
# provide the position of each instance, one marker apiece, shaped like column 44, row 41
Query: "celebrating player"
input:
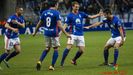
column 74, row 21
column 14, row 23
column 51, row 21
column 118, row 35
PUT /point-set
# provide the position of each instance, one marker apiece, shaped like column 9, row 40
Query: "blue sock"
column 65, row 53
column 55, row 56
column 3, row 56
column 14, row 53
column 106, row 54
column 116, row 53
column 78, row 54
column 43, row 55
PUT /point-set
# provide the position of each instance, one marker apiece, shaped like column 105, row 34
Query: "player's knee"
column 55, row 48
column 116, row 46
column 69, row 47
column 47, row 49
column 107, row 47
column 81, row 50
column 7, row 51
column 18, row 51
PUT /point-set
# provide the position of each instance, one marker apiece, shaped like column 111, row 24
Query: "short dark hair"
column 74, row 2
column 52, row 3
column 107, row 11
column 18, row 7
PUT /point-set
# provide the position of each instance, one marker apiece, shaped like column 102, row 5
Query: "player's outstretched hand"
column 87, row 27
column 101, row 12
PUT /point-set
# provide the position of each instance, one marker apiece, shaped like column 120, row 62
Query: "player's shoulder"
column 22, row 17
column 70, row 14
column 116, row 18
column 81, row 12
column 54, row 11
column 57, row 12
column 12, row 16
column 44, row 11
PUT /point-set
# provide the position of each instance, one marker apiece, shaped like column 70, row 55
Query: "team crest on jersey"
column 78, row 21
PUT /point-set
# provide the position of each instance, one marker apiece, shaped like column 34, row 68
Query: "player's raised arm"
column 11, row 28
column 94, row 25
column 95, row 16
column 37, row 27
column 62, row 29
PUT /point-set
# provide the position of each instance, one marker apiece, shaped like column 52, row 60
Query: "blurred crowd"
column 34, row 8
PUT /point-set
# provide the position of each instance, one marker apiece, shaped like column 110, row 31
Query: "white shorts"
column 10, row 43
column 78, row 40
column 52, row 41
column 112, row 41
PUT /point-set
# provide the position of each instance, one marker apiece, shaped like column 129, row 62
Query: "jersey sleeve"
column 9, row 20
column 58, row 16
column 67, row 20
column 42, row 17
column 119, row 23
column 104, row 20
column 23, row 20
column 85, row 15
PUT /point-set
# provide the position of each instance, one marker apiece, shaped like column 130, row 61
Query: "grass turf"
column 32, row 47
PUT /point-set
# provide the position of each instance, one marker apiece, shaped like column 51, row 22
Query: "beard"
column 19, row 14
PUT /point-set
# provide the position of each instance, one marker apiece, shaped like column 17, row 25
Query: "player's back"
column 50, row 18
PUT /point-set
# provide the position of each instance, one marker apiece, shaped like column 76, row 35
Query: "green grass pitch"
column 32, row 47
